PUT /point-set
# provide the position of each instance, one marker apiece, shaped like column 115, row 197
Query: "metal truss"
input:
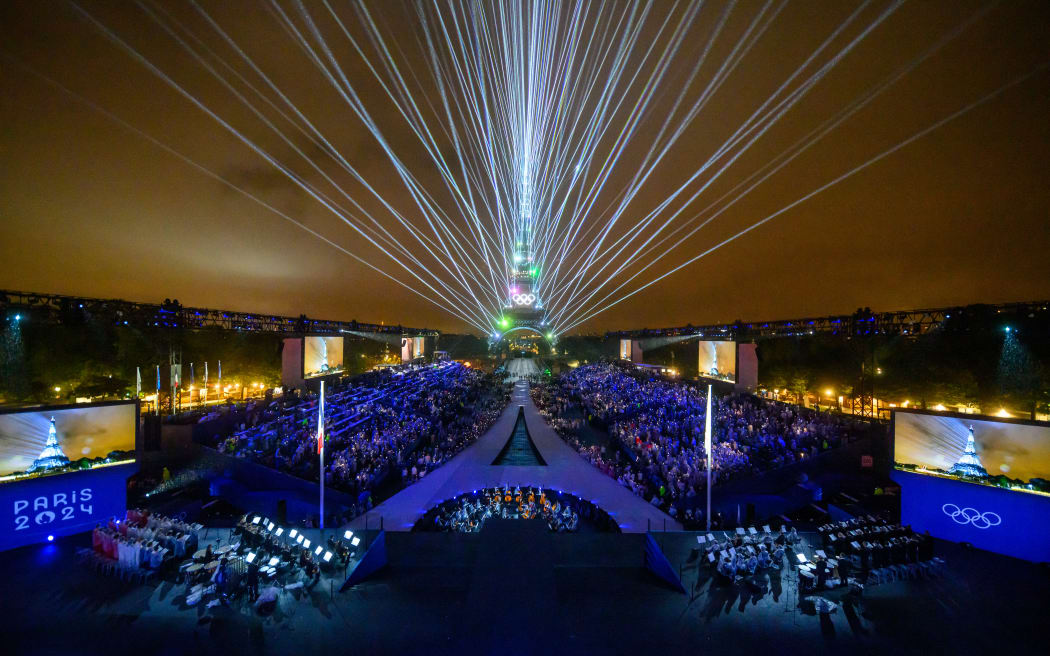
column 860, row 323
column 73, row 310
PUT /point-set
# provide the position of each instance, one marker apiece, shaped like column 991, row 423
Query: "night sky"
column 959, row 216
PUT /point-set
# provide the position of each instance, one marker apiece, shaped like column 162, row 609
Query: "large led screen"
column 44, row 442
column 322, row 356
column 718, row 360
column 625, row 349
column 1007, row 455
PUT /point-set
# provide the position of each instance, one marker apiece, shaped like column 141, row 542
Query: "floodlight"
column 269, row 527
column 299, row 539
column 256, row 520
column 306, row 544
column 279, row 531
column 327, row 556
column 318, row 550
column 355, row 541
column 801, row 558
column 293, row 533
column 348, row 534
column 250, row 558
column 274, row 561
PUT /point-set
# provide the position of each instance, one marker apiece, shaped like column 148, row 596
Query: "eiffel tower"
column 52, row 455
column 969, row 464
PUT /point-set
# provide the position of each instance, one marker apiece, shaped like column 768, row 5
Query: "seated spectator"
column 399, row 423
column 657, row 426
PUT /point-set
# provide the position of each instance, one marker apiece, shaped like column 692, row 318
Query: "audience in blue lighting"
column 657, row 429
column 392, row 426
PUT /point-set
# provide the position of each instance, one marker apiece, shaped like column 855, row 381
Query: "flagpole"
column 707, row 448
column 320, row 447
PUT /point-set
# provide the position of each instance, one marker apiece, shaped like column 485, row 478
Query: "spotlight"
column 269, row 527
column 318, row 550
column 299, row 539
column 50, row 538
column 1007, row 328
column 293, row 533
column 274, row 561
column 347, row 535
column 18, row 317
column 355, row 541
column 256, row 520
column 279, row 531
column 250, row 558
column 306, row 544
column 327, row 556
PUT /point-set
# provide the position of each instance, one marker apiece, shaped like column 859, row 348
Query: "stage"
column 516, row 590
column 472, row 470
column 519, row 368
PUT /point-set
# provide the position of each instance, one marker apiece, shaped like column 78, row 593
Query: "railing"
column 73, row 310
column 866, row 322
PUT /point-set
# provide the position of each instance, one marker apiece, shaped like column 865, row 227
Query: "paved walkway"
column 519, row 368
column 472, row 469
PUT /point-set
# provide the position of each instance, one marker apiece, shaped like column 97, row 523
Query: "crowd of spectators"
column 657, row 431
column 401, row 423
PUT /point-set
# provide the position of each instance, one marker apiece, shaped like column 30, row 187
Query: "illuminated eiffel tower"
column 52, row 455
column 523, row 309
column 969, row 464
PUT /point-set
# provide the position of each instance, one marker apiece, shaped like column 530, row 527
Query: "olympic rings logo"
column 523, row 299
column 972, row 516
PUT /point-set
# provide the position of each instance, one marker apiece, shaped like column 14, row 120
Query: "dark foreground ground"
column 513, row 589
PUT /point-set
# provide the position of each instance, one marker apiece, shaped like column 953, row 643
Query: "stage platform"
column 511, row 589
column 472, row 470
column 519, row 368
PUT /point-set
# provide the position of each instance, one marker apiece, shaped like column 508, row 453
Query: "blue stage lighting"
column 1007, row 328
column 50, row 538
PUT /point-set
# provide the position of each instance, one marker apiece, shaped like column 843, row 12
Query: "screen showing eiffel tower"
column 717, row 360
column 44, row 442
column 984, row 451
column 322, row 356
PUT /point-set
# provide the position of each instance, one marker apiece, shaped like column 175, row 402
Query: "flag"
column 320, row 422
column 707, row 428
